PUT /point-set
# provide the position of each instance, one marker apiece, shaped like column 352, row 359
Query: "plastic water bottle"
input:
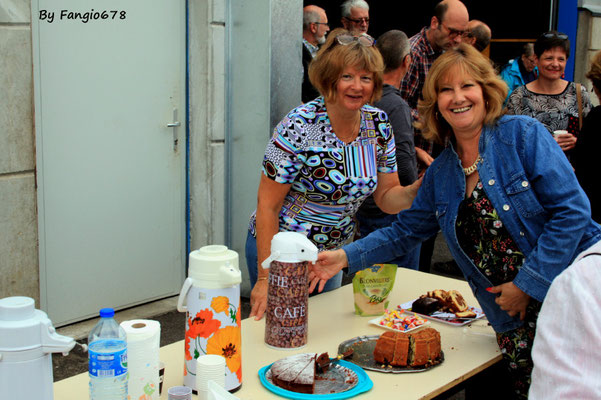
column 107, row 357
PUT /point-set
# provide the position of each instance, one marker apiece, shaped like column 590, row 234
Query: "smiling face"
column 354, row 88
column 461, row 102
column 552, row 63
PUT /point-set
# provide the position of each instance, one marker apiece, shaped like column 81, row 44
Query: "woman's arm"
column 566, row 207
column 391, row 197
column 269, row 203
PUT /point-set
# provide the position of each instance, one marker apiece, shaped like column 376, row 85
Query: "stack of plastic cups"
column 210, row 367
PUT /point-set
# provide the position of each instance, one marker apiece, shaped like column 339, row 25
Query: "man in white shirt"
column 567, row 345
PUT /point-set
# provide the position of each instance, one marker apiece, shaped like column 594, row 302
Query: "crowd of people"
column 401, row 138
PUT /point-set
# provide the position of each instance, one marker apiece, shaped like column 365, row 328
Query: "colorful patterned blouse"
column 330, row 179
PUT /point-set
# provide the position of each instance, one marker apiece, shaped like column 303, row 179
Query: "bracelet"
column 262, row 279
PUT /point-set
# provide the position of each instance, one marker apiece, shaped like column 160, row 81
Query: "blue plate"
column 363, row 385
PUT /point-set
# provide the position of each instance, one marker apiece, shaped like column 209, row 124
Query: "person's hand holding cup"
column 565, row 140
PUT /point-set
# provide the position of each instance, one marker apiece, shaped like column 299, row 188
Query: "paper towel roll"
column 143, row 341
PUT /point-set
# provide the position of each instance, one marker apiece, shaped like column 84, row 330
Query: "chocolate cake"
column 295, row 373
column 418, row 349
column 441, row 300
column 426, row 305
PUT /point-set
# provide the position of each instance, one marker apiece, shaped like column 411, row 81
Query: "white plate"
column 376, row 321
column 444, row 317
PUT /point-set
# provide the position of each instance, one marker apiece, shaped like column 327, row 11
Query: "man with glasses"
column 521, row 70
column 315, row 28
column 355, row 16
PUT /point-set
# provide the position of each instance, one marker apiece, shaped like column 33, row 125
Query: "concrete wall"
column 207, row 44
column 19, row 271
column 588, row 44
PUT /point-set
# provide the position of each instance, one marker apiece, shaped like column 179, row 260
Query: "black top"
column 584, row 159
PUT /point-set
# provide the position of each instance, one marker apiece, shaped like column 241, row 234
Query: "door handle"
column 174, row 125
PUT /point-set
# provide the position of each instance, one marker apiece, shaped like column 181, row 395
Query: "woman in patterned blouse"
column 549, row 98
column 325, row 158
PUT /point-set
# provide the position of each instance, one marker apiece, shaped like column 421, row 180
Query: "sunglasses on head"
column 551, row 35
column 363, row 39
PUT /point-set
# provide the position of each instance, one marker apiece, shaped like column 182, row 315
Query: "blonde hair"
column 594, row 74
column 478, row 67
column 331, row 60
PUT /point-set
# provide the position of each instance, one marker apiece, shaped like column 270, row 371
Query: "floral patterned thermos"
column 210, row 298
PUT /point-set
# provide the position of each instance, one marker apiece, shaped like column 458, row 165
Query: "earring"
column 436, row 115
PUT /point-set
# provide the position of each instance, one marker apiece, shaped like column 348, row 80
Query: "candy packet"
column 371, row 288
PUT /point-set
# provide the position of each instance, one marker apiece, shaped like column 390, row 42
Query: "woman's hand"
column 328, row 264
column 566, row 141
column 511, row 299
column 258, row 299
column 423, row 156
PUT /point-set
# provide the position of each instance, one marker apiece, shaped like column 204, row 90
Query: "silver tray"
column 363, row 356
column 336, row 379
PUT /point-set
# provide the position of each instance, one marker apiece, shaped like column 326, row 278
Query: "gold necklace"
column 472, row 168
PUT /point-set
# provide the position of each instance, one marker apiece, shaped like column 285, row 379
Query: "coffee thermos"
column 210, row 297
column 286, row 315
column 27, row 340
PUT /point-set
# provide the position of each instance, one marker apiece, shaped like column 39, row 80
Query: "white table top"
column 468, row 350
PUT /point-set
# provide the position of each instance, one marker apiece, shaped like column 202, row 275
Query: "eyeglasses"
column 453, row 33
column 550, row 35
column 322, row 23
column 358, row 20
column 363, row 39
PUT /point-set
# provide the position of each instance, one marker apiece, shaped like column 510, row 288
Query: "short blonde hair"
column 478, row 67
column 594, row 74
column 331, row 60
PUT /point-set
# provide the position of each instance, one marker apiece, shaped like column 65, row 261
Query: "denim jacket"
column 531, row 184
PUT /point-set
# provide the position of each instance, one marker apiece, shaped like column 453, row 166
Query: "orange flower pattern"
column 226, row 342
column 203, row 325
column 220, row 304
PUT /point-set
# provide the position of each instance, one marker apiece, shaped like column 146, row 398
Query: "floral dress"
column 485, row 240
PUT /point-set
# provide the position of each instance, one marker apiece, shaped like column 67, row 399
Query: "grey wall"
column 19, row 272
column 263, row 84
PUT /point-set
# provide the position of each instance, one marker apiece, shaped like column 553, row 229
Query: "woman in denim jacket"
column 504, row 196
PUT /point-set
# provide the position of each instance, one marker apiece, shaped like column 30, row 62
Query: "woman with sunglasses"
column 325, row 158
column 505, row 198
column 549, row 98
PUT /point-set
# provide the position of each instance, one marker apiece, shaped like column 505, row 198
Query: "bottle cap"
column 107, row 313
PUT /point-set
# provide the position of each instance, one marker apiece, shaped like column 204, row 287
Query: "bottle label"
column 104, row 365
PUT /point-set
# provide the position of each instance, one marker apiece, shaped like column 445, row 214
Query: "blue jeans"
column 251, row 262
column 369, row 224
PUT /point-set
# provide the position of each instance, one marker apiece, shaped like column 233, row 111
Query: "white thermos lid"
column 291, row 247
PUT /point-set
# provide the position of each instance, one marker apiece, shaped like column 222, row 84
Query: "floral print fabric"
column 330, row 179
column 484, row 239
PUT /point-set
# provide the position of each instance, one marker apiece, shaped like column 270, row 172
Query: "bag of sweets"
column 371, row 288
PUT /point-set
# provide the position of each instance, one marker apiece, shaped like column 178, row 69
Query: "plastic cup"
column 179, row 393
column 559, row 132
column 210, row 367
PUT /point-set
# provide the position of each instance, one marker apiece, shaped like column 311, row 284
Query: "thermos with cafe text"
column 286, row 315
